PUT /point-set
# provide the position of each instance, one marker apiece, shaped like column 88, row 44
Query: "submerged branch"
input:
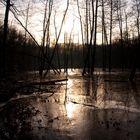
column 84, row 104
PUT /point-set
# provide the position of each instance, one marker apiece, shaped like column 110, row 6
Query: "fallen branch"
column 84, row 104
column 29, row 84
column 50, row 82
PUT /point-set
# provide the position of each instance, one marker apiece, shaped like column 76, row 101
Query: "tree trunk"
column 95, row 36
column 57, row 39
column 110, row 44
column 4, row 47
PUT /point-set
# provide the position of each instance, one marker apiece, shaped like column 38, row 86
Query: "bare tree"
column 82, row 30
column 58, row 47
column 87, row 22
column 136, row 7
column 27, row 19
column 104, row 34
column 81, row 23
column 57, row 39
column 90, row 57
column 5, row 30
column 110, row 38
column 120, row 6
column 89, row 43
column 45, row 39
column 95, row 37
column 5, row 34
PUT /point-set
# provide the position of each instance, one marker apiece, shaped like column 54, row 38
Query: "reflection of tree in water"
column 124, row 94
column 104, row 91
column 90, row 86
column 135, row 91
column 114, row 93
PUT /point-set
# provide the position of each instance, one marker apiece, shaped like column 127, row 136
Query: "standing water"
column 99, row 107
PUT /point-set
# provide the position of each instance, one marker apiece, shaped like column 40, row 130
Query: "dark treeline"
column 19, row 52
column 23, row 54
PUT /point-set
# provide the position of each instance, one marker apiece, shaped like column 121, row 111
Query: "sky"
column 35, row 24
column 36, row 12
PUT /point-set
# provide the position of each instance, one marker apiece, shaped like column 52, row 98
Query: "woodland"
column 79, row 51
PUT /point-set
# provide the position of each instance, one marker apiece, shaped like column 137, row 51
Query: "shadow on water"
column 101, row 107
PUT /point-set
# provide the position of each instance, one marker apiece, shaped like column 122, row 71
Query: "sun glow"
column 69, row 25
column 36, row 17
column 72, row 28
column 70, row 110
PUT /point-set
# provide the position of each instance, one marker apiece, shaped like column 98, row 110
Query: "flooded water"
column 99, row 107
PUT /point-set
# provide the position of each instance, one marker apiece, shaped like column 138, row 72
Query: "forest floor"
column 99, row 107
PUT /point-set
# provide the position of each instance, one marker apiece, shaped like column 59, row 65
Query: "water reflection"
column 97, row 107
column 70, row 109
column 102, row 91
